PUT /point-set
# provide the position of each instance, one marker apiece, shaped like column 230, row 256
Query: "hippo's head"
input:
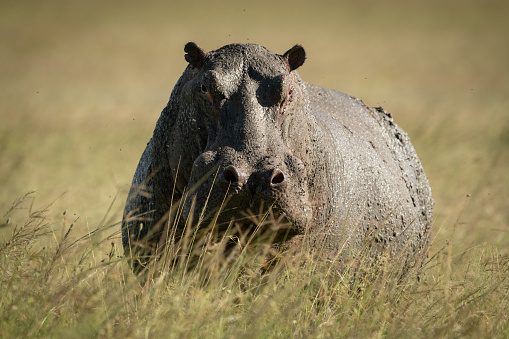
column 240, row 137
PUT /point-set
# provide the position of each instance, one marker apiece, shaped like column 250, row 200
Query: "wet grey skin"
column 240, row 124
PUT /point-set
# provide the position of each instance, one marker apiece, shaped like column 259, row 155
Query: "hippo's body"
column 241, row 124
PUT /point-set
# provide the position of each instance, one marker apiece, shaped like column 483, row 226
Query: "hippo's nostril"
column 231, row 175
column 278, row 177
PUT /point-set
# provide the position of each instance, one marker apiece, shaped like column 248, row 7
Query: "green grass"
column 53, row 286
column 82, row 85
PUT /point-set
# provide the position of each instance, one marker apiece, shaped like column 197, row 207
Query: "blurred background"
column 82, row 84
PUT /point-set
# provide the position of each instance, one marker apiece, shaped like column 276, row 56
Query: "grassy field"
column 82, row 85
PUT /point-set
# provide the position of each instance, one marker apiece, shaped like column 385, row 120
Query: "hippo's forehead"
column 242, row 61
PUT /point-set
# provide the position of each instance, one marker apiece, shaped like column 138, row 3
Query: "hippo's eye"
column 290, row 92
column 205, row 92
column 287, row 99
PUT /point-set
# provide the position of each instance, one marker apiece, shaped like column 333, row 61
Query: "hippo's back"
column 379, row 191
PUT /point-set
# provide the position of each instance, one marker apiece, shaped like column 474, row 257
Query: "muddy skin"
column 242, row 125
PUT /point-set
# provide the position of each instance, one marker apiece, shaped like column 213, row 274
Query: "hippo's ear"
column 295, row 57
column 195, row 55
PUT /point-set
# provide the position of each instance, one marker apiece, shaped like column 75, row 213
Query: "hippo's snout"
column 257, row 183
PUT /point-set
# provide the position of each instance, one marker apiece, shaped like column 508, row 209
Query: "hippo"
column 243, row 135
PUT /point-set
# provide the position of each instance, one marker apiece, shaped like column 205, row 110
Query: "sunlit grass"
column 54, row 286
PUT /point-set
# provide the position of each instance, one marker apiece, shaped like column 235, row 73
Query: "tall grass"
column 53, row 286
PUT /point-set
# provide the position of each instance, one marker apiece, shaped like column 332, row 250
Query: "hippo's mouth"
column 272, row 225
